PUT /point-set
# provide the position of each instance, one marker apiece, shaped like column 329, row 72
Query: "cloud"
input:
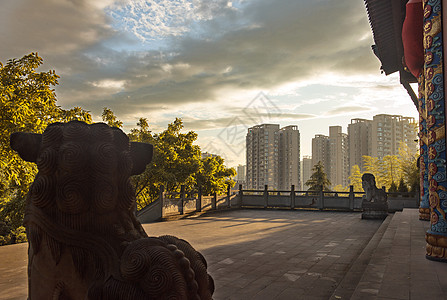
column 345, row 110
column 55, row 28
column 204, row 124
column 152, row 20
column 196, row 52
column 109, row 84
column 241, row 119
column 293, row 116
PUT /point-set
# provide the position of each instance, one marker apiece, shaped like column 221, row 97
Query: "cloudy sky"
column 222, row 66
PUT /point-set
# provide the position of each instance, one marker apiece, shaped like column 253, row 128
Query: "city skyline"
column 356, row 134
column 273, row 153
column 207, row 62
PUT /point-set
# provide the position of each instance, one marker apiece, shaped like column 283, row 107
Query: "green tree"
column 146, row 184
column 371, row 165
column 355, row 178
column 391, row 167
column 402, row 187
column 340, row 188
column 178, row 157
column 410, row 169
column 75, row 113
column 386, row 170
column 412, row 177
column 214, row 176
column 27, row 103
column 393, row 187
column 109, row 117
column 318, row 180
column 176, row 160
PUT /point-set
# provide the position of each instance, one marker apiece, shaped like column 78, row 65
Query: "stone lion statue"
column 372, row 192
column 84, row 239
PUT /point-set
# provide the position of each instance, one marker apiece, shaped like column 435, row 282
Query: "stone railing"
column 180, row 203
column 169, row 204
column 301, row 199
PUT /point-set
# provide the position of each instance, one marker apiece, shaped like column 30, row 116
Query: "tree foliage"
column 177, row 161
column 318, row 181
column 410, row 169
column 109, row 117
column 402, row 187
column 27, row 103
column 340, row 188
column 392, row 188
column 356, row 178
column 213, row 176
column 399, row 169
column 389, row 170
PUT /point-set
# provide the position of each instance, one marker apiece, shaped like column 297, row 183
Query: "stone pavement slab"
column 13, row 271
column 398, row 268
column 275, row 254
column 251, row 254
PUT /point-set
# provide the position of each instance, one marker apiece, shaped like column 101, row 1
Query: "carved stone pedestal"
column 424, row 214
column 374, row 210
column 436, row 248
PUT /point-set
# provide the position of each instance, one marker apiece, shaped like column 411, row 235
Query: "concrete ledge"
column 349, row 283
column 398, row 268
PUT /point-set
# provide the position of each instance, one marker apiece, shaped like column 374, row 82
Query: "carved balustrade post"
column 199, row 200
column 182, row 199
column 241, row 195
column 161, row 198
column 351, row 197
column 228, row 196
column 266, row 196
column 321, row 198
column 213, row 201
column 292, row 196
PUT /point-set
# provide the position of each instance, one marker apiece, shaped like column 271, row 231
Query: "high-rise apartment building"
column 379, row 137
column 389, row 131
column 289, row 157
column 338, row 172
column 273, row 156
column 333, row 153
column 321, row 152
column 240, row 173
column 262, row 156
column 306, row 171
column 359, row 133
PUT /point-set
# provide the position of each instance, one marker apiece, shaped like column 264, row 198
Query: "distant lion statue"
column 372, row 192
column 84, row 239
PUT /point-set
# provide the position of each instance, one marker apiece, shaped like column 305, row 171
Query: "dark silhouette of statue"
column 374, row 205
column 84, row 239
column 372, row 192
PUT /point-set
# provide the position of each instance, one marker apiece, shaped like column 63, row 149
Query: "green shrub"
column 19, row 235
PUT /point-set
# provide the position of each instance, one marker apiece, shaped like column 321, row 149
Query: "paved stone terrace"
column 267, row 254
column 279, row 254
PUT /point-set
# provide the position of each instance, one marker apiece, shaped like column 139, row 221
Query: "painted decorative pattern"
column 434, row 124
column 424, row 207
